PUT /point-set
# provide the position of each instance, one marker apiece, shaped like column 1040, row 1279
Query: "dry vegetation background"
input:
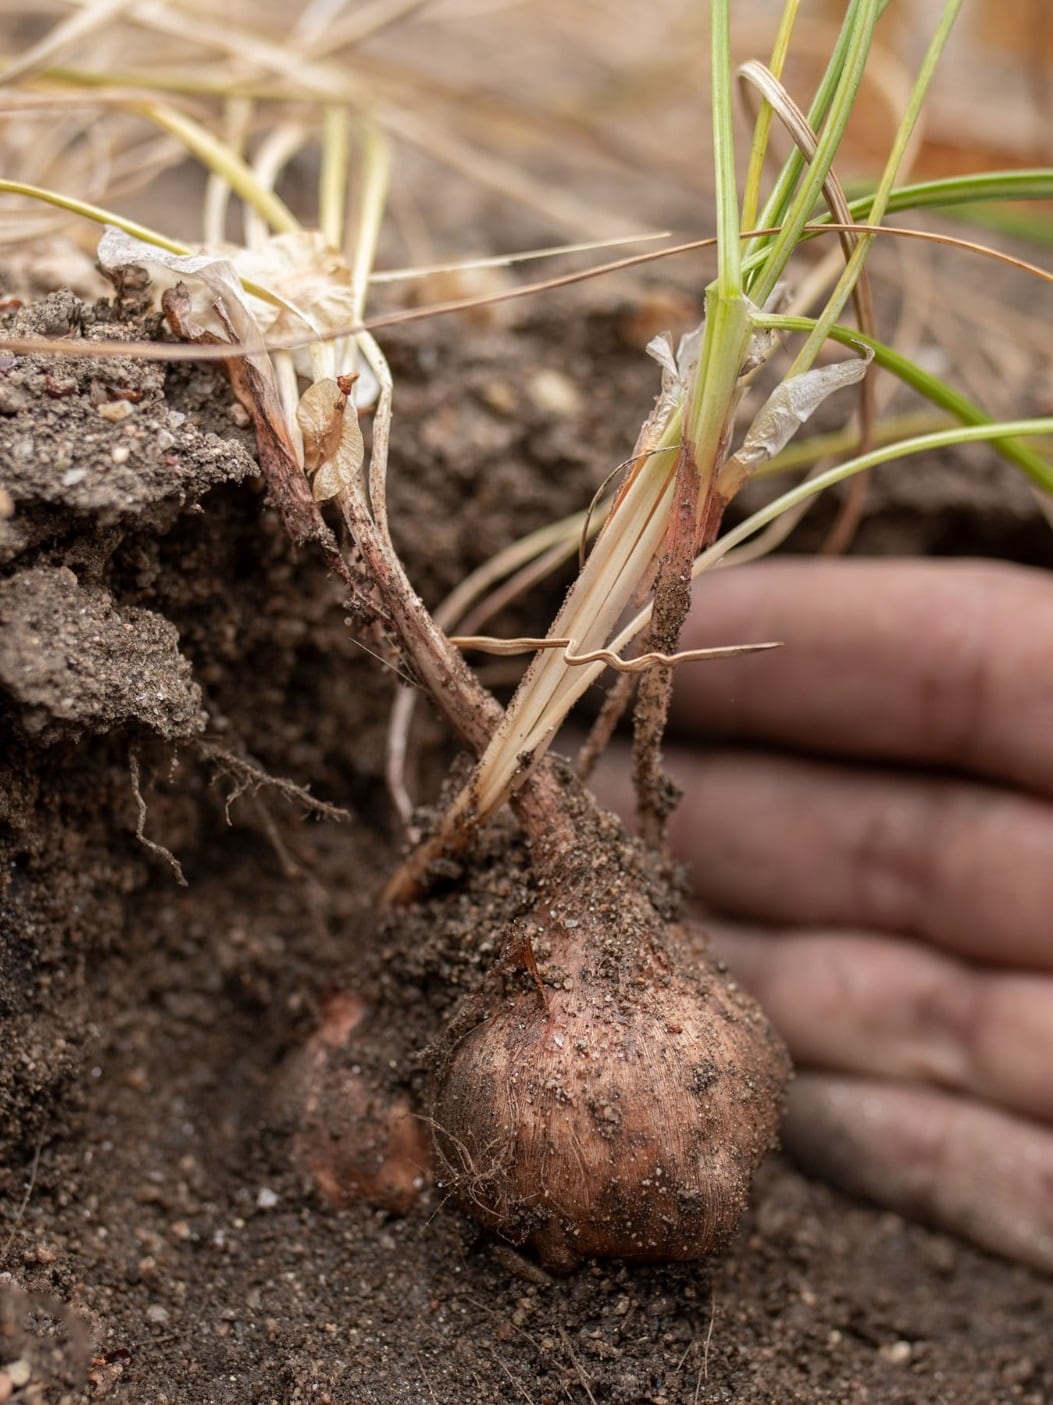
column 553, row 104
column 513, row 125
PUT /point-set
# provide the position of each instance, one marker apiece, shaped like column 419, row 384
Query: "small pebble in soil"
column 898, row 1353
column 115, row 410
column 553, row 393
column 18, row 1373
column 12, row 399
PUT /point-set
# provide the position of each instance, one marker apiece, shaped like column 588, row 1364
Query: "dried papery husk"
column 609, row 1092
column 354, row 1140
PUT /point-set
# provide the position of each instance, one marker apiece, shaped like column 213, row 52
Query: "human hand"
column 873, row 844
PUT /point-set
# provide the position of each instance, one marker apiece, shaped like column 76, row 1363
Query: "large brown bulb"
column 611, row 1098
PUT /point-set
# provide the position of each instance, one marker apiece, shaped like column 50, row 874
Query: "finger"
column 784, row 840
column 856, row 1003
column 947, row 662
column 971, row 1169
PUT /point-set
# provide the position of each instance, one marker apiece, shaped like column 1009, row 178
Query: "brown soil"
column 173, row 920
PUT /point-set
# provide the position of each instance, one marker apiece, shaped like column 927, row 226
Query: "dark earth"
column 193, row 827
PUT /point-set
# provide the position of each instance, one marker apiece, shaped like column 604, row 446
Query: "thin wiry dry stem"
column 468, row 265
column 653, row 660
column 154, row 351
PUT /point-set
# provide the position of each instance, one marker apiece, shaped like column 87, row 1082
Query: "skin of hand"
column 867, row 818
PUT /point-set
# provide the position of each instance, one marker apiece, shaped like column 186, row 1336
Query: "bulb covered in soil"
column 356, row 1142
column 609, row 1092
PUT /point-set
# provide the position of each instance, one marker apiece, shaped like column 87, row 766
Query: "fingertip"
column 950, row 1161
column 917, row 660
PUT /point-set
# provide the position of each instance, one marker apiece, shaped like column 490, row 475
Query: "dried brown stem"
column 466, row 705
column 698, row 510
column 656, row 796
column 286, row 483
column 472, row 712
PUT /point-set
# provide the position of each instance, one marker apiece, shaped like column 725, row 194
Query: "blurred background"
column 511, row 122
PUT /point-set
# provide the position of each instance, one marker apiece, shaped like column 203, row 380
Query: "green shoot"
column 811, row 487
column 762, row 125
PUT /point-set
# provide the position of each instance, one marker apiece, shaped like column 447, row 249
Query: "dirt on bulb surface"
column 193, row 827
